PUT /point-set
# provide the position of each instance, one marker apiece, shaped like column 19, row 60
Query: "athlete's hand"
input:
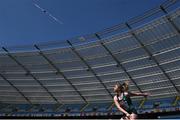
column 146, row 94
column 128, row 115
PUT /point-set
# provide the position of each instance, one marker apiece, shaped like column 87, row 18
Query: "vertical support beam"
column 29, row 73
column 142, row 102
column 176, row 101
column 169, row 19
column 4, row 78
column 89, row 67
column 29, row 110
column 153, row 58
column 111, row 106
column 58, row 107
column 59, row 71
column 84, row 107
column 119, row 63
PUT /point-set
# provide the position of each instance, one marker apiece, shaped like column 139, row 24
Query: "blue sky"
column 22, row 23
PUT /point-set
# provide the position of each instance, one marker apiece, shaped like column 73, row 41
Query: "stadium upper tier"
column 144, row 50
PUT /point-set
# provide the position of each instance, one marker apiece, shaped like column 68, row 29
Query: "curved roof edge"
column 163, row 9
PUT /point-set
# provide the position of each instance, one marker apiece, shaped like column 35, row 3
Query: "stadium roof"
column 85, row 69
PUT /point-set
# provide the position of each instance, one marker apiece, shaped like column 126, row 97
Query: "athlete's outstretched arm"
column 138, row 94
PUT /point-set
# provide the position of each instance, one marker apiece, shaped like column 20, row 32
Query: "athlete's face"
column 116, row 88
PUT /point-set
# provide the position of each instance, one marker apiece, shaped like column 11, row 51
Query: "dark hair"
column 125, row 86
column 119, row 87
column 122, row 87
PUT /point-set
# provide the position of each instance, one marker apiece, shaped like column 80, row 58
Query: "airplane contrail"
column 49, row 14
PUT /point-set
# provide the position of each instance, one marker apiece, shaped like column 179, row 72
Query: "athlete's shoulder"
column 115, row 97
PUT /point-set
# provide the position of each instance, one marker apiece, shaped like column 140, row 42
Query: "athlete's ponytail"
column 125, row 86
column 118, row 88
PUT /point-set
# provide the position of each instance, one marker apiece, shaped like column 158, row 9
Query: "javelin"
column 47, row 13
